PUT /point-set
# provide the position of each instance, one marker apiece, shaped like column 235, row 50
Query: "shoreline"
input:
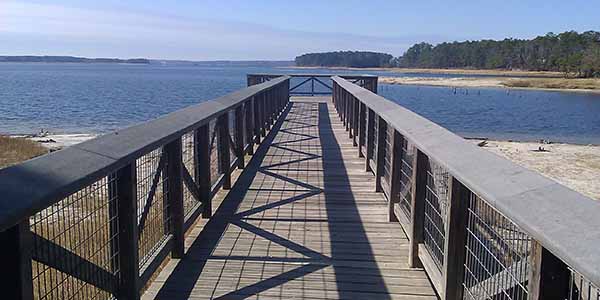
column 559, row 85
column 501, row 73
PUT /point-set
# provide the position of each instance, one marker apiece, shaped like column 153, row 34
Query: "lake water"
column 97, row 98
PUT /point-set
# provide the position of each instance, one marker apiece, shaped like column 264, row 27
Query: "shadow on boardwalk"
column 300, row 222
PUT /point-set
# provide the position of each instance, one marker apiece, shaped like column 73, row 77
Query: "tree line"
column 355, row 59
column 575, row 54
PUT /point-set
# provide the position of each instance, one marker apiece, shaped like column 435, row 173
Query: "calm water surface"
column 82, row 98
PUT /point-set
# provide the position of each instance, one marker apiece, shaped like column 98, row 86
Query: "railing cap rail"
column 29, row 187
column 347, row 76
column 565, row 222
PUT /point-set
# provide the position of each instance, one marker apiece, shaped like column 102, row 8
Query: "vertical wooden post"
column 347, row 113
column 239, row 135
column 225, row 160
column 350, row 126
column 129, row 285
column 549, row 278
column 362, row 119
column 203, row 168
column 369, row 137
column 355, row 113
column 175, row 196
column 263, row 114
column 249, row 108
column 16, row 251
column 419, row 185
column 456, row 237
column 381, row 132
column 396, row 164
column 256, row 118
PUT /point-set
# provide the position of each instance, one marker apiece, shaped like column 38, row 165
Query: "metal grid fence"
column 436, row 204
column 188, row 148
column 75, row 241
column 497, row 255
column 406, row 170
column 582, row 289
column 215, row 168
column 387, row 154
column 152, row 208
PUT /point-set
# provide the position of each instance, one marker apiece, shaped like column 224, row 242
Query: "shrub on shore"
column 16, row 150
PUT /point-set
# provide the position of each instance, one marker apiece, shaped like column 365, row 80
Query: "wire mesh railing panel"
column 232, row 122
column 436, row 204
column 371, row 137
column 76, row 244
column 581, row 288
column 497, row 258
column 375, row 136
column 387, row 154
column 152, row 203
column 215, row 168
column 245, row 125
column 188, row 148
column 406, row 170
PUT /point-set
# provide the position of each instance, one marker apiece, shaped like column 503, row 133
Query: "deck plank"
column 302, row 221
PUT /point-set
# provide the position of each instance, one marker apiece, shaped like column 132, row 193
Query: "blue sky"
column 248, row 30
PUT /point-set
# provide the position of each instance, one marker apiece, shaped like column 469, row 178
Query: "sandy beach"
column 55, row 142
column 550, row 84
column 575, row 166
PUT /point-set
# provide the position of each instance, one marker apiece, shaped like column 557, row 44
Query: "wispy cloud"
column 55, row 29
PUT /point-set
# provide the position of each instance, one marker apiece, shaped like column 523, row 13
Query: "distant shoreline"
column 71, row 59
column 502, row 73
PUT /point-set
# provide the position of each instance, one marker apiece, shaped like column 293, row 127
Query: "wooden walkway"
column 301, row 222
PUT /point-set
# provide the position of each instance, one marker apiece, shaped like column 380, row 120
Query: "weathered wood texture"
column 300, row 222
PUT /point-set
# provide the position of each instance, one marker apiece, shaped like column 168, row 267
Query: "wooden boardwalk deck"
column 301, row 222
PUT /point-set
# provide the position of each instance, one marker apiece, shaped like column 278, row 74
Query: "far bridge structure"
column 300, row 186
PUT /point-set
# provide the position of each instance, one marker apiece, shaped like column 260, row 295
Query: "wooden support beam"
column 419, row 185
column 395, row 161
column 175, row 196
column 248, row 110
column 239, row 136
column 256, row 119
column 370, row 136
column 224, row 157
column 549, row 278
column 129, row 286
column 16, row 253
column 355, row 114
column 380, row 148
column 262, row 114
column 456, row 237
column 203, row 166
column 362, row 127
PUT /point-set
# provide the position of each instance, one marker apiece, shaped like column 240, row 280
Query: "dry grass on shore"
column 555, row 83
column 16, row 150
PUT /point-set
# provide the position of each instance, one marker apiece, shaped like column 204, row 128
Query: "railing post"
column 16, row 251
column 549, row 277
column 350, row 126
column 129, row 286
column 362, row 118
column 256, row 118
column 381, row 132
column 263, row 114
column 203, row 168
column 419, row 185
column 239, row 135
column 249, row 108
column 395, row 161
column 456, row 237
column 175, row 196
column 369, row 137
column 225, row 160
column 355, row 113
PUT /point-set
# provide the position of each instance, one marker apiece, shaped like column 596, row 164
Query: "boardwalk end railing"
column 481, row 226
column 315, row 84
column 97, row 220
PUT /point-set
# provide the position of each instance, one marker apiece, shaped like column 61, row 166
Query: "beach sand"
column 575, row 166
column 55, row 142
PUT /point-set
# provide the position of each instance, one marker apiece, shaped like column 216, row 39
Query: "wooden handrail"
column 562, row 221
